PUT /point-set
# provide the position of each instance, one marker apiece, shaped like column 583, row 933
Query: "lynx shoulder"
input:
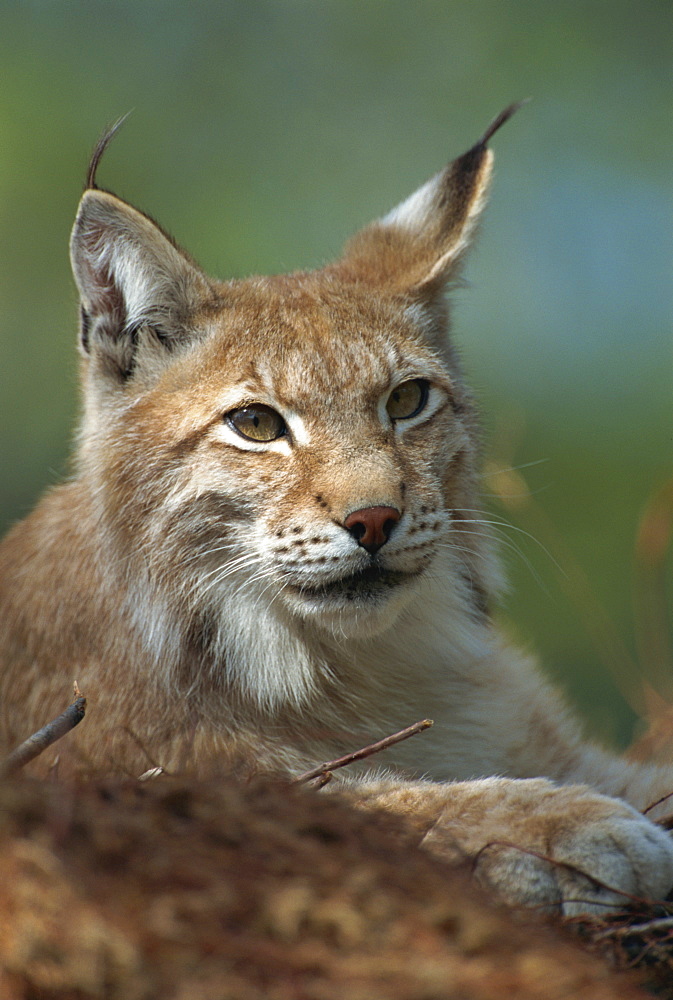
column 270, row 550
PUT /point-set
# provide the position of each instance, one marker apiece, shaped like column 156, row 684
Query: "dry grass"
column 216, row 891
column 641, row 938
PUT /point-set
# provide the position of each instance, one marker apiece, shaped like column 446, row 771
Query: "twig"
column 652, row 805
column 43, row 738
column 350, row 758
column 658, row 924
column 568, row 866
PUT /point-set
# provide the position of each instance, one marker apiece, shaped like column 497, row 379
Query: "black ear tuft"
column 100, row 148
column 500, row 120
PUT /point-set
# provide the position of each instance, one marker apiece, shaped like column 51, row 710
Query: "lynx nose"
column 371, row 526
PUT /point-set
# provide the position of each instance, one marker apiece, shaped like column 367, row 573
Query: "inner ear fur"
column 130, row 275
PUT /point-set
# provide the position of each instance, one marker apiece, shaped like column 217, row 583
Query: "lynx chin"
column 270, row 552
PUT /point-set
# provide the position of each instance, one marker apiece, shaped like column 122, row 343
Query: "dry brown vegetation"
column 219, row 891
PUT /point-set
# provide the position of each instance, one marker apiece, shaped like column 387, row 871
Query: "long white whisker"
column 496, row 522
column 508, row 544
column 515, row 468
column 217, row 577
column 204, row 553
column 248, row 559
column 282, row 586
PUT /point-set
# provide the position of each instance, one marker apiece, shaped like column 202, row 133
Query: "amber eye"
column 257, row 422
column 408, row 399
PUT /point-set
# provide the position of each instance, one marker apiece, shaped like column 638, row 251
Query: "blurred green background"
column 264, row 133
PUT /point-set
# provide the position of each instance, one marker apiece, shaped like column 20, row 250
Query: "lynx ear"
column 418, row 247
column 131, row 279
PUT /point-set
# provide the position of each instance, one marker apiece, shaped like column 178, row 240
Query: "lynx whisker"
column 244, row 560
column 243, row 569
column 510, row 545
column 489, row 519
column 264, row 573
column 201, row 554
column 211, row 581
column 487, row 474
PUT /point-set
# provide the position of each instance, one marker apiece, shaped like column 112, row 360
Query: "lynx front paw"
column 602, row 850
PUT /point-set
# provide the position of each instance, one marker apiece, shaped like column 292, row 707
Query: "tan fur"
column 206, row 593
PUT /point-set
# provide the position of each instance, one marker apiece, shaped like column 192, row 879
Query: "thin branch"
column 350, row 758
column 43, row 738
column 657, row 924
column 657, row 803
column 568, row 866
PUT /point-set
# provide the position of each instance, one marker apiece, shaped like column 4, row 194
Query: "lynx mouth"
column 368, row 584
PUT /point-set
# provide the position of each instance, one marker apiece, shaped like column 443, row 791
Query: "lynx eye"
column 408, row 399
column 257, row 422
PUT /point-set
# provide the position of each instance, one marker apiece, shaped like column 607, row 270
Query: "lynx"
column 270, row 552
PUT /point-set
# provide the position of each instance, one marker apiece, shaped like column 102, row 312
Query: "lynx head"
column 288, row 451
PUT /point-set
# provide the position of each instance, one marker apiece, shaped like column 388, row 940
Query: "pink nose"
column 371, row 526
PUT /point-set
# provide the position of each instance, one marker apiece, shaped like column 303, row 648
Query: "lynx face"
column 270, row 467
column 315, row 435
